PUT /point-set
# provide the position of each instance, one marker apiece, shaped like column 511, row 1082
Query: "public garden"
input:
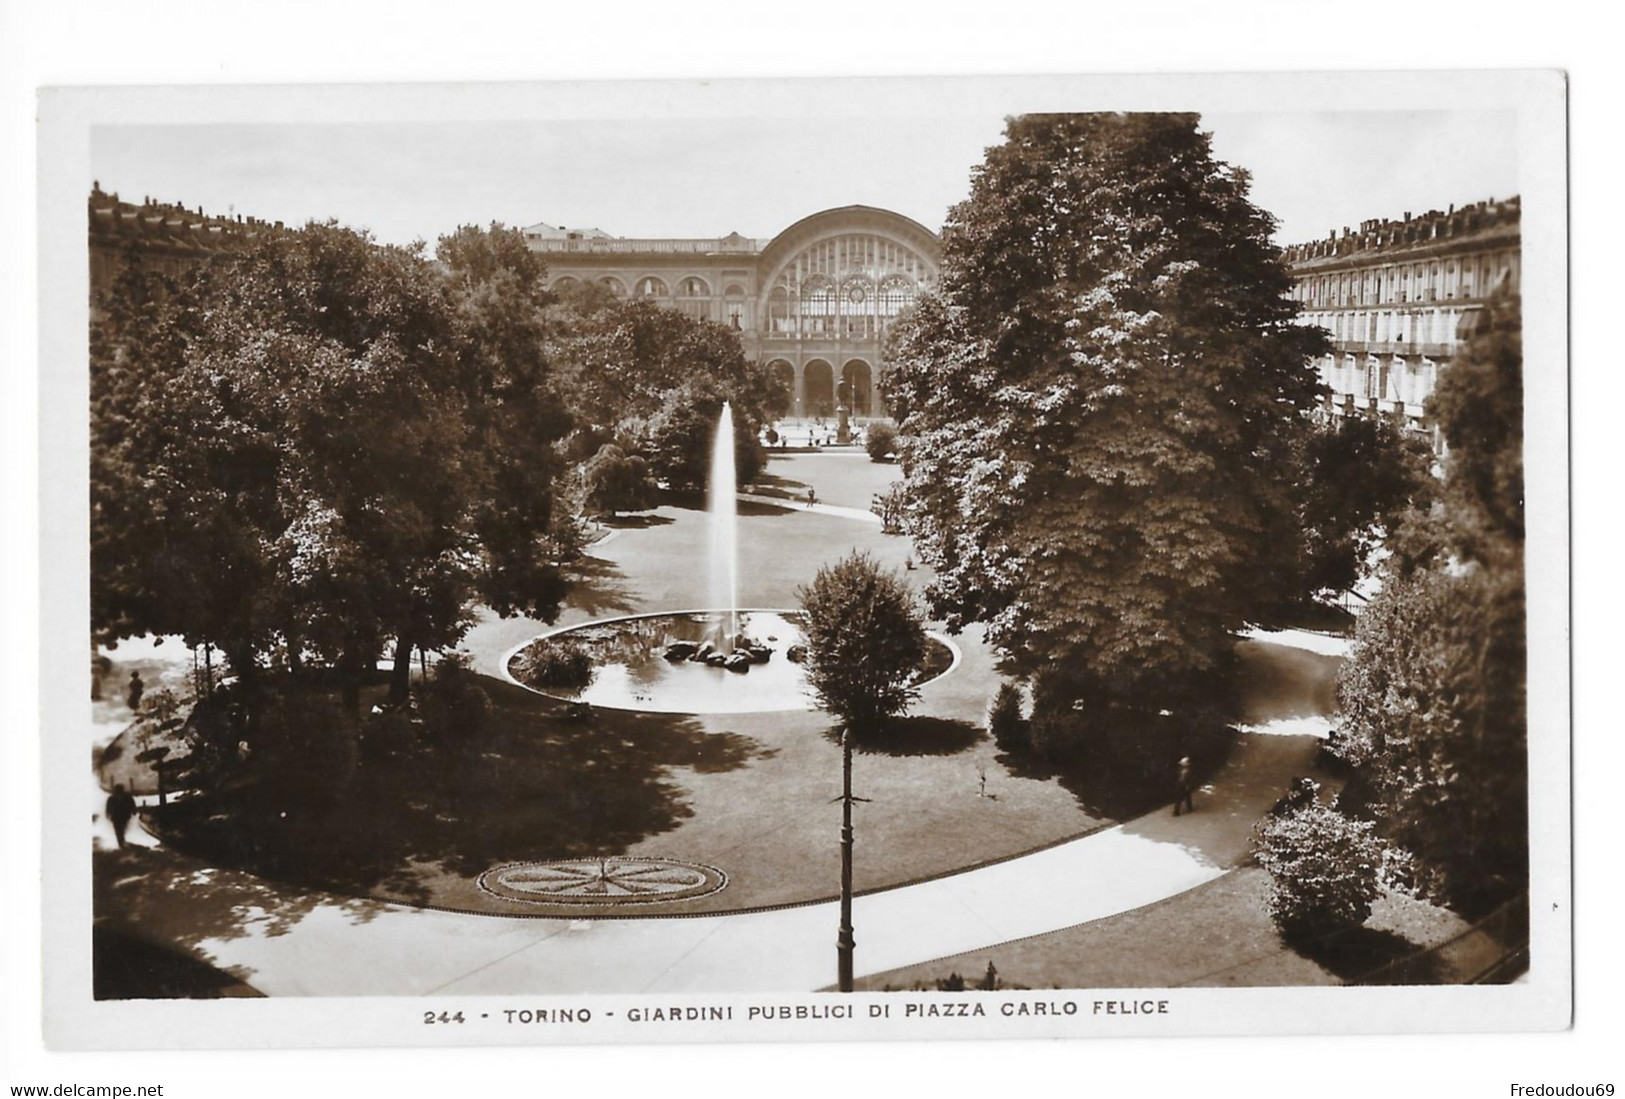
column 1077, row 633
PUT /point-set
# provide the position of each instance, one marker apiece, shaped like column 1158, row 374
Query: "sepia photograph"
column 806, row 559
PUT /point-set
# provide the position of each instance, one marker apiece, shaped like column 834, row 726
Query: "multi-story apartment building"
column 162, row 237
column 1399, row 299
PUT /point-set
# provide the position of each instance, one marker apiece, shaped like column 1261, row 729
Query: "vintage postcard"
column 823, row 560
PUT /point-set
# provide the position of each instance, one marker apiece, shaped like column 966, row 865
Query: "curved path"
column 339, row 946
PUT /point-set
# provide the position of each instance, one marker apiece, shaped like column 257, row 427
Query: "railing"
column 619, row 246
column 1495, row 950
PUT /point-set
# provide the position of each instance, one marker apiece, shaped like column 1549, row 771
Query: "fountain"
column 722, row 503
column 690, row 661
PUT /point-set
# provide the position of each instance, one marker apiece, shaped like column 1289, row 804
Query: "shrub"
column 452, row 703
column 554, row 664
column 1324, row 868
column 865, row 641
column 1059, row 735
column 881, row 442
column 889, row 505
column 304, row 742
column 1004, row 721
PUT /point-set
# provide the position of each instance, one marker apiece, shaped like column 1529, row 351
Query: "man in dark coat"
column 1187, row 786
column 120, row 808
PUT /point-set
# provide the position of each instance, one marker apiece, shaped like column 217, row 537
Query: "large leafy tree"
column 517, row 417
column 320, row 444
column 1098, row 401
column 647, row 377
column 1433, row 698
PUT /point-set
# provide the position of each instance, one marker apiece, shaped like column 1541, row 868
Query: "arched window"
column 566, row 284
column 818, row 307
column 896, row 295
column 693, row 297
column 613, row 285
column 857, row 308
column 779, row 321
column 651, row 287
column 734, row 305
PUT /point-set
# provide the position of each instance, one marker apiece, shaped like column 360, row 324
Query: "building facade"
column 1400, row 298
column 165, row 238
column 814, row 303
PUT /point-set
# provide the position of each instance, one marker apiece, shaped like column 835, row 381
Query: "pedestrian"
column 120, row 808
column 1187, row 786
column 137, row 689
column 812, row 497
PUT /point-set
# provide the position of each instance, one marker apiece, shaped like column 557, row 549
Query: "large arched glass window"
column 896, row 295
column 818, row 307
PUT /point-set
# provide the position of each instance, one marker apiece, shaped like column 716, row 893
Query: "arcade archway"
column 857, row 387
column 818, row 380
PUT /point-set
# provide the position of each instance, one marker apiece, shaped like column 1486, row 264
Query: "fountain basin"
column 646, row 662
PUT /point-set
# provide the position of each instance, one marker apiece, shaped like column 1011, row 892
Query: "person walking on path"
column 1187, row 786
column 137, row 689
column 120, row 808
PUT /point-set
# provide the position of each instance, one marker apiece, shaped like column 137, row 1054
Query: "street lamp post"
column 845, row 942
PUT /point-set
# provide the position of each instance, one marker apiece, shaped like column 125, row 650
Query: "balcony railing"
column 617, row 246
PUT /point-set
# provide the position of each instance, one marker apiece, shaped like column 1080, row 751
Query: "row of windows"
column 1381, row 379
column 1423, row 280
column 651, row 287
column 1437, row 326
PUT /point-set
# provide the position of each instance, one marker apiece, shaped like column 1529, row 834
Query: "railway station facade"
column 814, row 303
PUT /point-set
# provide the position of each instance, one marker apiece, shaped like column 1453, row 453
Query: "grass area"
column 417, row 821
column 1218, row 935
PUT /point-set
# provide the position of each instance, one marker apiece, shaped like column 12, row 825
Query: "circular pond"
column 669, row 663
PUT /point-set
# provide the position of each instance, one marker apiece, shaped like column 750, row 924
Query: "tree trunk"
column 296, row 662
column 400, row 676
column 350, row 681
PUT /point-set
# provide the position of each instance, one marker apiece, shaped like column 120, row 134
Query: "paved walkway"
column 340, row 946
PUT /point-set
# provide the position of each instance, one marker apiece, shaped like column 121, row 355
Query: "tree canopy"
column 865, row 642
column 1358, row 476
column 318, row 443
column 1098, row 400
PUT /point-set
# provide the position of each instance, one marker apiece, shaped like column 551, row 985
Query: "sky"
column 707, row 177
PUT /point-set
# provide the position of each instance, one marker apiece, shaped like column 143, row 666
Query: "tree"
column 613, row 482
column 517, row 416
column 865, row 642
column 1433, row 696
column 295, row 449
column 1099, row 399
column 620, row 362
column 1359, row 475
column 678, row 439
